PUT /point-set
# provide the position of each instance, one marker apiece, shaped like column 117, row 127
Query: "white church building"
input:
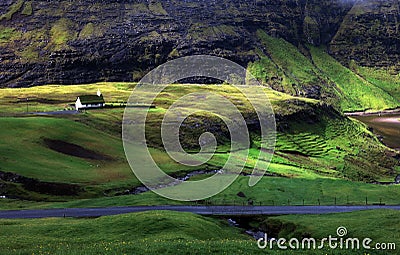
column 90, row 101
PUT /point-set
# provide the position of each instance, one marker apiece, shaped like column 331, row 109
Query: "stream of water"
column 386, row 125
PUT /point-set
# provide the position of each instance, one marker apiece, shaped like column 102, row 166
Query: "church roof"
column 92, row 99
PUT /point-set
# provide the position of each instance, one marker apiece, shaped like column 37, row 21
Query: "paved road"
column 203, row 210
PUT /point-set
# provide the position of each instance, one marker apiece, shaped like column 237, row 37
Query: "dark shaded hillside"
column 369, row 34
column 85, row 41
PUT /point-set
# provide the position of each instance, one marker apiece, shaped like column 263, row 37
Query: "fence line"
column 335, row 201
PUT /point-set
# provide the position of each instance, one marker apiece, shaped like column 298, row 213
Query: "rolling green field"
column 56, row 97
column 107, row 172
column 52, row 156
column 164, row 232
column 140, row 233
column 381, row 225
column 316, row 147
column 269, row 191
column 321, row 158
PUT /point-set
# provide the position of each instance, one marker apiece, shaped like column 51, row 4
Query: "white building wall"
column 78, row 104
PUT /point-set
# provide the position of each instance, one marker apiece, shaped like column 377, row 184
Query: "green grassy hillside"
column 298, row 75
column 313, row 142
column 379, row 225
column 139, row 233
column 56, row 97
column 384, row 78
column 355, row 93
column 24, row 151
column 163, row 232
column 269, row 191
column 312, row 72
column 36, row 159
column 101, row 165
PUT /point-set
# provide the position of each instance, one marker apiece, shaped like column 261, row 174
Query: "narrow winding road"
column 202, row 210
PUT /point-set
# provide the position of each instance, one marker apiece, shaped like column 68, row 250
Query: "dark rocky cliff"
column 369, row 34
column 69, row 42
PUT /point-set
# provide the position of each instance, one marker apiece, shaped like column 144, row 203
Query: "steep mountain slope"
column 286, row 44
column 86, row 41
column 311, row 72
column 369, row 34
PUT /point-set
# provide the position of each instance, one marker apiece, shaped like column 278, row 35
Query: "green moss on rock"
column 12, row 10
column 27, row 9
column 7, row 34
column 90, row 30
column 61, row 32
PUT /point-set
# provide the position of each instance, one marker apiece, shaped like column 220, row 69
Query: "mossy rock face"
column 311, row 30
column 7, row 34
column 13, row 9
column 27, row 9
column 62, row 31
column 369, row 34
column 69, row 42
column 91, row 31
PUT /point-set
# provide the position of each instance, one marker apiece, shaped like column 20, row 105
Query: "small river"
column 386, row 125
